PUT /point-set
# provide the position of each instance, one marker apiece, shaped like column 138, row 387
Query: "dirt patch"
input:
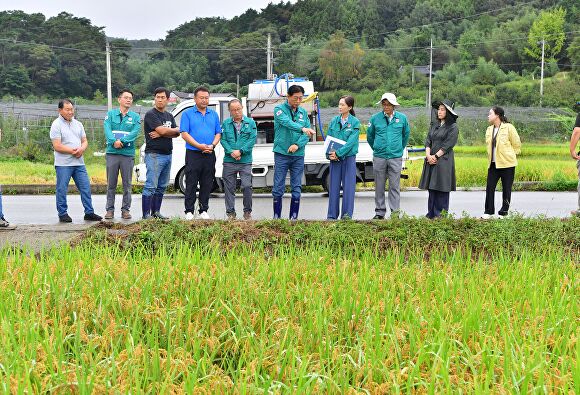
column 39, row 237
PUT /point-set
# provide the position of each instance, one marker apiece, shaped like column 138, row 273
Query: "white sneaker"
column 189, row 216
column 486, row 216
column 203, row 215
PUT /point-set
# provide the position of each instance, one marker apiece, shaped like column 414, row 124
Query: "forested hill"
column 484, row 51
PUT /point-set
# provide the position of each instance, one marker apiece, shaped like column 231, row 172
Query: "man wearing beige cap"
column 388, row 134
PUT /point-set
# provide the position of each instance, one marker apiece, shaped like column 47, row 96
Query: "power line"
column 51, row 46
column 279, row 48
column 506, row 64
column 199, row 49
column 352, row 38
column 422, row 47
column 445, row 21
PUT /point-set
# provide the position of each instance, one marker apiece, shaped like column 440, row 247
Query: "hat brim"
column 394, row 104
column 447, row 106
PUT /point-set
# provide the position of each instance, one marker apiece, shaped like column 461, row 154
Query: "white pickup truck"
column 316, row 166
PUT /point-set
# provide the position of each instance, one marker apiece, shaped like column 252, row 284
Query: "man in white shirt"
column 69, row 141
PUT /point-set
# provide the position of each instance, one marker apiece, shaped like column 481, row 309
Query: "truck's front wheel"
column 180, row 181
column 326, row 180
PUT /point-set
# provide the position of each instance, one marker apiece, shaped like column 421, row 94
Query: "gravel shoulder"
column 36, row 238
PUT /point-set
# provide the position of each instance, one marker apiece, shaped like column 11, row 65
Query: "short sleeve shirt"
column 202, row 127
column 70, row 135
column 154, row 119
column 577, row 125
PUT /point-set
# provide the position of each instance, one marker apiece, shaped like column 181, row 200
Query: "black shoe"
column 379, row 216
column 158, row 215
column 92, row 217
column 64, row 218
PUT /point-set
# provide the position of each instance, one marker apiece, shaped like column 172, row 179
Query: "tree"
column 549, row 27
column 298, row 56
column 470, row 45
column 487, row 73
column 119, row 55
column 503, row 46
column 242, row 58
column 574, row 54
column 15, row 81
column 339, row 63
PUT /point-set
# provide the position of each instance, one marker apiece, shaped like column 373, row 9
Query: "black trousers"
column 507, row 176
column 199, row 168
column 438, row 201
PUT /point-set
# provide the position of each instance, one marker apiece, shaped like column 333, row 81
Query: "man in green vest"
column 291, row 134
column 122, row 127
column 238, row 138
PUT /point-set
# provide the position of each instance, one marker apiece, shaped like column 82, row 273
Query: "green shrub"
column 29, row 151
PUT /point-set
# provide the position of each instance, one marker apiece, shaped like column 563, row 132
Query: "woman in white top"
column 503, row 144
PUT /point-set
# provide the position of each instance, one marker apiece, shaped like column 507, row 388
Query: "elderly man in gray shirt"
column 70, row 142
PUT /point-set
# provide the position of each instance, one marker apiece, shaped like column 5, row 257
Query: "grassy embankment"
column 447, row 306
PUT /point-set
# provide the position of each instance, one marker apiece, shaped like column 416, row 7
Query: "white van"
column 316, row 166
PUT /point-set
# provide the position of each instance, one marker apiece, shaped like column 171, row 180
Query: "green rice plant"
column 402, row 306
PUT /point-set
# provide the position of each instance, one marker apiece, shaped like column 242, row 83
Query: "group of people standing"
column 388, row 134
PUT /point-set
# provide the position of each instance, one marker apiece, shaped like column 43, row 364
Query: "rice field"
column 399, row 306
column 549, row 163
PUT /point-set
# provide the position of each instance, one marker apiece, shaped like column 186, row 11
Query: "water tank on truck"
column 264, row 95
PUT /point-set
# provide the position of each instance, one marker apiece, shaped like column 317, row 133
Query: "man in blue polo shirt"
column 201, row 130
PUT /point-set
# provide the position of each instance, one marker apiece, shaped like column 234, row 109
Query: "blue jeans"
column 283, row 163
column 81, row 179
column 158, row 168
column 1, row 214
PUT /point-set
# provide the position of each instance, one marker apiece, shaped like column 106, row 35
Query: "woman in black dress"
column 438, row 175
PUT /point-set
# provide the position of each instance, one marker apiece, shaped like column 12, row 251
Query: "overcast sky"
column 133, row 19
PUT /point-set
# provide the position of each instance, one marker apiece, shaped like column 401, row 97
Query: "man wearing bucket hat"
column 388, row 134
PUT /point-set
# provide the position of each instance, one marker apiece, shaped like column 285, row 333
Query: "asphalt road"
column 40, row 209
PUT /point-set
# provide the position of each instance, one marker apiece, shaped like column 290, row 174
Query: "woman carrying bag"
column 503, row 144
column 438, row 176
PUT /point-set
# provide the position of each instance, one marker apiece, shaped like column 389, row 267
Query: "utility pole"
column 430, row 77
column 238, row 86
column 109, row 89
column 269, row 71
column 542, row 72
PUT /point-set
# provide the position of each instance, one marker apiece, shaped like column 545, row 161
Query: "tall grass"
column 296, row 308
